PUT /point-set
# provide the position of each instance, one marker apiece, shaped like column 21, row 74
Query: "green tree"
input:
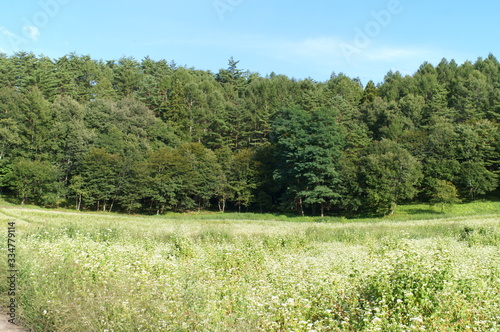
column 396, row 86
column 308, row 149
column 205, row 172
column 438, row 152
column 445, row 194
column 262, row 98
column 44, row 77
column 224, row 191
column 356, row 142
column 412, row 106
column 23, row 64
column 99, row 171
column 232, row 78
column 477, row 179
column 243, row 179
column 127, row 76
column 69, row 137
column 35, row 123
column 476, row 141
column 267, row 189
column 169, row 180
column 389, row 174
column 369, row 93
column 9, row 136
column 152, row 86
column 35, row 181
column 376, row 115
column 349, row 89
column 127, row 127
column 82, row 78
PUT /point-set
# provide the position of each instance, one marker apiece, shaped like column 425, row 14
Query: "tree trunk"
column 392, row 208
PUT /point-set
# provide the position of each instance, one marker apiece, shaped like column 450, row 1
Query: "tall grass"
column 108, row 272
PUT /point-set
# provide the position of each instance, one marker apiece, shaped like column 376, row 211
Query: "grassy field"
column 417, row 270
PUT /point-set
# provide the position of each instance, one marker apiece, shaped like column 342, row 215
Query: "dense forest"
column 150, row 136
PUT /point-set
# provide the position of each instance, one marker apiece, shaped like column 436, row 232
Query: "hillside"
column 151, row 137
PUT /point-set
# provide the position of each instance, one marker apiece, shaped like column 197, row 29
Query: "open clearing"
column 108, row 272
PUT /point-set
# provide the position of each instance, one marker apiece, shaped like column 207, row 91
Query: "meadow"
column 419, row 270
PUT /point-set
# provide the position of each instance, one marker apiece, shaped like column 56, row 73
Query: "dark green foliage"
column 349, row 89
column 308, row 149
column 243, row 180
column 167, row 180
column 389, row 174
column 480, row 236
column 35, row 182
column 369, row 93
column 205, row 172
column 477, row 179
column 150, row 136
column 100, row 177
column 445, row 194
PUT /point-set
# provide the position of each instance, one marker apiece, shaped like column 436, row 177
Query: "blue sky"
column 300, row 39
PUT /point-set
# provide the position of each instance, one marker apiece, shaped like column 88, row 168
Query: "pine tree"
column 308, row 149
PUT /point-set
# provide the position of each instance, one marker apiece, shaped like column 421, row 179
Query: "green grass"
column 416, row 270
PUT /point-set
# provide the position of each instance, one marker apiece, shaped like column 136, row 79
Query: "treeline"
column 150, row 136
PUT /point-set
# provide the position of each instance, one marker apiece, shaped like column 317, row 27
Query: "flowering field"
column 104, row 272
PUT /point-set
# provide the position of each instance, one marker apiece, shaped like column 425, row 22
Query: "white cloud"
column 32, row 32
column 394, row 53
column 318, row 56
column 329, row 49
column 319, row 47
column 6, row 32
column 323, row 55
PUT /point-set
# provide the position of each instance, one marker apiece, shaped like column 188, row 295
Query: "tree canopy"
column 150, row 136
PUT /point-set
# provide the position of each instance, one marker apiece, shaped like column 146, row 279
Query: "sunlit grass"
column 235, row 272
